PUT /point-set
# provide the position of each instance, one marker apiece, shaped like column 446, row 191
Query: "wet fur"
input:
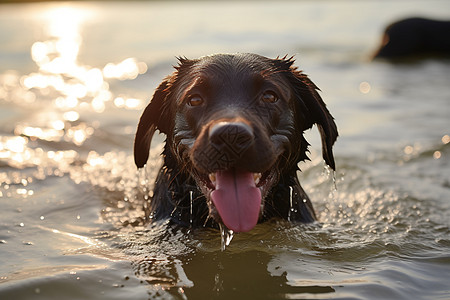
column 177, row 194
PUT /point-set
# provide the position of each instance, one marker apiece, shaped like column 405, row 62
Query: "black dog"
column 234, row 125
column 415, row 37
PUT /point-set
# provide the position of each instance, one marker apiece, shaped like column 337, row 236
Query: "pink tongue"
column 237, row 199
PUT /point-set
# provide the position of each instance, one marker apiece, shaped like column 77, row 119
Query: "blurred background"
column 74, row 79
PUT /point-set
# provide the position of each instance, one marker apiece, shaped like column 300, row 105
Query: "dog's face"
column 235, row 123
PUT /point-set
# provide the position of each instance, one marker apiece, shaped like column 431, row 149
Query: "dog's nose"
column 234, row 137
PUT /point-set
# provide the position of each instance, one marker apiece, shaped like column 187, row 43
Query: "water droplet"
column 291, row 206
column 226, row 236
column 330, row 172
column 191, row 201
column 218, row 283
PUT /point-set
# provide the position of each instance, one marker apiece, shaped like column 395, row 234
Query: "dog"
column 415, row 37
column 234, row 128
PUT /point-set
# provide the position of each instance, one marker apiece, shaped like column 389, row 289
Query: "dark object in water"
column 415, row 38
column 234, row 125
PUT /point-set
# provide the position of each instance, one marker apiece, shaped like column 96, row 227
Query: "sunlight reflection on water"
column 57, row 59
column 71, row 86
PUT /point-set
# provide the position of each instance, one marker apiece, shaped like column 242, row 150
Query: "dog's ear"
column 312, row 110
column 154, row 117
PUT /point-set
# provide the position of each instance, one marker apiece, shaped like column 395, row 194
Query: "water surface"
column 74, row 78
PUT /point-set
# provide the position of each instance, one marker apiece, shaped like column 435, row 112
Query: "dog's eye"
column 195, row 100
column 270, row 97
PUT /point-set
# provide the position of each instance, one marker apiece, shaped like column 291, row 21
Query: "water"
column 74, row 78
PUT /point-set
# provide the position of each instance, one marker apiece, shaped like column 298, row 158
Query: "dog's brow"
column 196, row 83
column 273, row 77
column 259, row 77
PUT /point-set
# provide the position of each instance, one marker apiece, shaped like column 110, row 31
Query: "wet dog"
column 234, row 128
column 415, row 38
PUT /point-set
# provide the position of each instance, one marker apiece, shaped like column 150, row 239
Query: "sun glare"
column 57, row 59
column 65, row 21
column 65, row 86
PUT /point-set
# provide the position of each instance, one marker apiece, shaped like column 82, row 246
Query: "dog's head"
column 235, row 122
